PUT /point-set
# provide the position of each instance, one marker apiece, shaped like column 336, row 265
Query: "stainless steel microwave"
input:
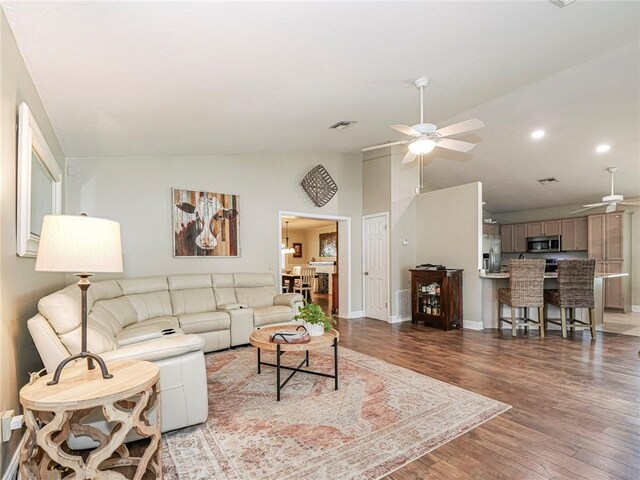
column 551, row 243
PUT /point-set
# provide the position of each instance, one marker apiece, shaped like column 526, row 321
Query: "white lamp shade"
column 421, row 146
column 79, row 244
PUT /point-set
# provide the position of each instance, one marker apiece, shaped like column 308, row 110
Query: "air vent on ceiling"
column 562, row 3
column 341, row 125
column 547, row 181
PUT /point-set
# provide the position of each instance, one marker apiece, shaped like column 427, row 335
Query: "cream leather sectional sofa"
column 169, row 320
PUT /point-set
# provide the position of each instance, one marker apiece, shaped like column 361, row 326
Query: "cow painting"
column 205, row 224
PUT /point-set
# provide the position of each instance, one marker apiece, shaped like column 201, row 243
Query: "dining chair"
column 526, row 287
column 575, row 290
column 307, row 275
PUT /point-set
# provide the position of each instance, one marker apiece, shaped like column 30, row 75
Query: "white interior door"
column 376, row 267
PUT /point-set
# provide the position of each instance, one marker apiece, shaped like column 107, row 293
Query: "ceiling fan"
column 611, row 201
column 426, row 136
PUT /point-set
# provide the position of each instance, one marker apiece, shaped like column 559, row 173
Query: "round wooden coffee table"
column 53, row 412
column 260, row 339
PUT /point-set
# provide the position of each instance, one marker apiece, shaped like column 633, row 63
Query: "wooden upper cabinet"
column 574, row 234
column 568, row 232
column 506, row 232
column 552, row 227
column 613, row 238
column 596, row 236
column 520, row 237
column 582, row 233
column 491, row 229
column 535, row 229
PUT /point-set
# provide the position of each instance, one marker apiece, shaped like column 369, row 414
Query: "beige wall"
column 136, row 191
column 20, row 285
column 449, row 232
column 564, row 212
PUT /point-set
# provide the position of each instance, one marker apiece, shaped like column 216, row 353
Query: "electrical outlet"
column 6, row 425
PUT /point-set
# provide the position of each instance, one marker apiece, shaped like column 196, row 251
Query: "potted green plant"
column 315, row 320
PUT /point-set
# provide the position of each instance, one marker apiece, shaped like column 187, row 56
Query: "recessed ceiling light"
column 536, row 134
column 603, row 148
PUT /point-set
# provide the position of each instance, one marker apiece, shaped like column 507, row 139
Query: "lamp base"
column 88, row 355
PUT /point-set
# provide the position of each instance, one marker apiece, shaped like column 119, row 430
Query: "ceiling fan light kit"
column 426, row 136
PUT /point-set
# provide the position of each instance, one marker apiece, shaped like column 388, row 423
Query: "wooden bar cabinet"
column 437, row 298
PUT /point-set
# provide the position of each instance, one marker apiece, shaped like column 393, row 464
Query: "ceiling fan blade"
column 409, row 157
column 406, row 129
column 457, row 145
column 461, row 127
column 585, row 208
column 637, row 202
column 390, row 144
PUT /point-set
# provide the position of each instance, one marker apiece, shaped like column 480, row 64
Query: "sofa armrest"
column 288, row 299
column 157, row 349
column 232, row 306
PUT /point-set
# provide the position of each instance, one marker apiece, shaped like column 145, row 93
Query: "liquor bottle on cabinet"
column 437, row 298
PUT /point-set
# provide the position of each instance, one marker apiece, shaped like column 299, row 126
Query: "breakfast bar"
column 501, row 280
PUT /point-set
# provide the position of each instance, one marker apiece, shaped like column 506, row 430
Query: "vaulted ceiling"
column 159, row 78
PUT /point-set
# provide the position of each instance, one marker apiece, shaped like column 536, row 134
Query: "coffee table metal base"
column 278, row 366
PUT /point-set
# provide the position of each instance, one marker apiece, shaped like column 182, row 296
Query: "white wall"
column 449, row 232
column 564, row 212
column 20, row 286
column 136, row 191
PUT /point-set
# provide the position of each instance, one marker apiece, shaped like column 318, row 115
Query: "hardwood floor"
column 576, row 411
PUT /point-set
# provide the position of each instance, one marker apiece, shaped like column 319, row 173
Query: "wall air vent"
column 341, row 125
column 562, row 3
column 547, row 181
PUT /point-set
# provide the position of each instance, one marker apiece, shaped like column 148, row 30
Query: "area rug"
column 381, row 418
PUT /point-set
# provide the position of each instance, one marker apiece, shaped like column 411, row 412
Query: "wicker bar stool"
column 575, row 290
column 526, row 286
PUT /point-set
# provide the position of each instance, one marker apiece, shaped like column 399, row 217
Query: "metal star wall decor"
column 319, row 185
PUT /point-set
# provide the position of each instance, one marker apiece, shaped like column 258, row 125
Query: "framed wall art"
column 297, row 250
column 205, row 224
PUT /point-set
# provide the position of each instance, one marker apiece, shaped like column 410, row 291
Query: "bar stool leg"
column 513, row 322
column 541, row 321
column 592, row 323
column 526, row 320
column 563, row 321
column 499, row 316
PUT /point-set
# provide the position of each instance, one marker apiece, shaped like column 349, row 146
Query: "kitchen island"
column 501, row 280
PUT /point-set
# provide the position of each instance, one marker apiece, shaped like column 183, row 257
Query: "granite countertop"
column 501, row 275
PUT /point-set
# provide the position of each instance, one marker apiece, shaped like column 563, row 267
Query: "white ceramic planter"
column 315, row 330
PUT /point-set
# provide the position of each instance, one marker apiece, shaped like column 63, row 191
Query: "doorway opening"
column 316, row 245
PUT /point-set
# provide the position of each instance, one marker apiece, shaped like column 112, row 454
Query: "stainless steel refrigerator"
column 492, row 253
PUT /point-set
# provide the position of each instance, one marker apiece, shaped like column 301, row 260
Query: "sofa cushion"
column 204, row 322
column 223, row 288
column 273, row 314
column 113, row 314
column 189, row 282
column 132, row 286
column 62, row 309
column 255, row 296
column 148, row 330
column 196, row 300
column 151, row 305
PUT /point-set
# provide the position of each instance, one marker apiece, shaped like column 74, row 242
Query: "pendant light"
column 285, row 247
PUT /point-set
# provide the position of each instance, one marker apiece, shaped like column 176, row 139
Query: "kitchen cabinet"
column 506, row 235
column 437, row 298
column 491, row 228
column 535, row 229
column 541, row 229
column 574, row 234
column 520, row 237
column 552, row 227
column 613, row 287
column 609, row 243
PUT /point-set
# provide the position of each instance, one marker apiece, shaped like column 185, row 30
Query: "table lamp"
column 77, row 243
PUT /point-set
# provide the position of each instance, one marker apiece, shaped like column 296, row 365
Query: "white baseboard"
column 398, row 318
column 12, row 470
column 356, row 314
column 635, row 308
column 472, row 325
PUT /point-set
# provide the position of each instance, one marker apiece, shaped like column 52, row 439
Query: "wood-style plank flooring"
column 576, row 410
